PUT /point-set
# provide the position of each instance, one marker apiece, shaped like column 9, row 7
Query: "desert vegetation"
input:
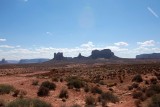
column 95, row 85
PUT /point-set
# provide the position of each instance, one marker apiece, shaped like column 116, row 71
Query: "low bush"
column 61, row 80
column 153, row 89
column 6, row 89
column 49, row 85
column 63, row 93
column 153, row 80
column 90, row 101
column 137, row 94
column 86, row 88
column 109, row 97
column 28, row 103
column 106, row 97
column 74, row 82
column 111, row 84
column 43, row 91
column 130, row 88
column 155, row 101
column 137, row 78
column 135, row 85
column 96, row 90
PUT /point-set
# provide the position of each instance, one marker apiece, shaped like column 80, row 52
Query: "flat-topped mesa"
column 58, row 56
column 106, row 53
column 148, row 56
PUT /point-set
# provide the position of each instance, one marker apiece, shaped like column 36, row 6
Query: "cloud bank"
column 119, row 48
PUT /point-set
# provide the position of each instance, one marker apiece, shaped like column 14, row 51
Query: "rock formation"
column 58, row 56
column 148, row 56
column 79, row 57
column 3, row 61
column 106, row 53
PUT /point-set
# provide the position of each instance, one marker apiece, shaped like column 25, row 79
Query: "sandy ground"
column 24, row 82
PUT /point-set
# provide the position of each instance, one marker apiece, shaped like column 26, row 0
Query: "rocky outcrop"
column 58, row 56
column 3, row 61
column 106, row 53
column 79, row 57
column 148, row 56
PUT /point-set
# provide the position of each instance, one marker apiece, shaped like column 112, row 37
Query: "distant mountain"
column 148, row 56
column 13, row 61
column 38, row 60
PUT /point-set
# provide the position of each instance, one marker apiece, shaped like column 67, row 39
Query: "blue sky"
column 38, row 28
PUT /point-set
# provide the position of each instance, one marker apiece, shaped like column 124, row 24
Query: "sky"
column 39, row 28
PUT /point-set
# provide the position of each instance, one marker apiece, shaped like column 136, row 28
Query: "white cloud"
column 2, row 40
column 18, row 52
column 147, row 43
column 6, row 46
column 88, row 45
column 116, row 48
column 121, row 44
column 153, row 12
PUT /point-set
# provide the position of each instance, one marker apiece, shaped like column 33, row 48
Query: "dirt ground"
column 23, row 81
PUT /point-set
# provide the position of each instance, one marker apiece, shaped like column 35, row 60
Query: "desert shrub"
column 155, row 101
column 61, row 80
column 130, row 88
column 158, row 77
column 43, row 91
column 6, row 89
column 137, row 94
column 74, row 82
column 35, row 82
column 153, row 80
column 106, row 97
column 109, row 97
column 137, row 78
column 86, row 88
column 22, row 93
column 15, row 93
column 75, row 105
column 111, row 84
column 153, row 89
column 63, row 93
column 96, row 90
column 49, row 85
column 150, row 92
column 102, row 82
column 90, row 101
column 146, row 82
column 28, row 103
column 135, row 85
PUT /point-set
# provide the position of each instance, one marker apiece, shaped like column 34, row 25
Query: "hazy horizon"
column 39, row 28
